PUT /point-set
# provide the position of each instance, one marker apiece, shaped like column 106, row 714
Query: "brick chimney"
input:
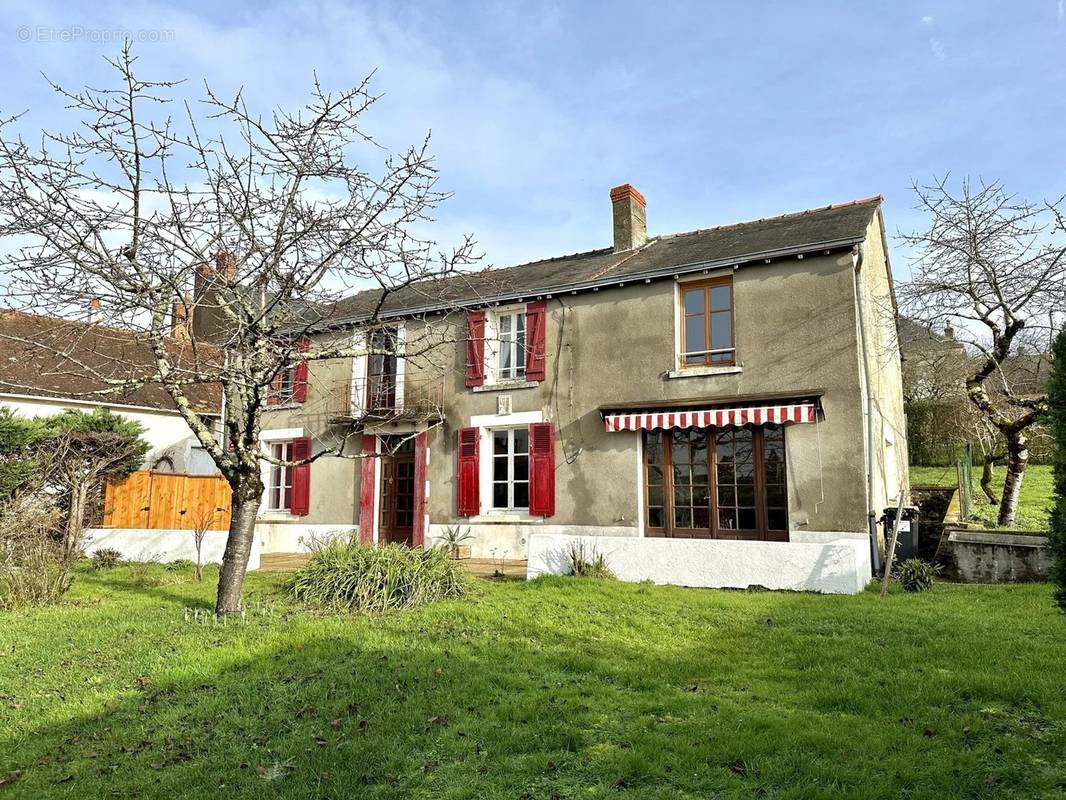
column 179, row 317
column 630, row 223
column 206, row 320
column 94, row 308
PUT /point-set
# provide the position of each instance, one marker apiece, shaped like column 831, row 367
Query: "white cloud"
column 928, row 19
column 937, row 49
column 506, row 146
column 1062, row 10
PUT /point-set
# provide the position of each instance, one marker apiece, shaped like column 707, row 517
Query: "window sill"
column 505, row 385
column 704, row 372
column 282, row 407
column 503, row 518
column 275, row 515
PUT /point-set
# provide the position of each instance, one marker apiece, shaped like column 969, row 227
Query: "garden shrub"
column 33, row 566
column 586, row 561
column 180, row 565
column 345, row 573
column 106, row 559
column 915, row 575
column 1057, row 534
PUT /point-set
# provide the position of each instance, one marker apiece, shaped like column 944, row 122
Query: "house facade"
column 735, row 384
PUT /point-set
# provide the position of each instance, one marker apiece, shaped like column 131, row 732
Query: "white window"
column 509, row 346
column 510, row 469
column 279, row 478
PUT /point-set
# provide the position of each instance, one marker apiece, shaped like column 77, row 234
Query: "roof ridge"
column 816, row 210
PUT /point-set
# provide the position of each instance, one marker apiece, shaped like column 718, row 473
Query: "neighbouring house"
column 721, row 407
column 49, row 365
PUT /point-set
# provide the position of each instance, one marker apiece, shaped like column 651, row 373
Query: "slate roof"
column 65, row 354
column 832, row 226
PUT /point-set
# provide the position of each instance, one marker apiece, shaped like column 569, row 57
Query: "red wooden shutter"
column 536, row 317
column 299, row 378
column 542, row 469
column 475, row 348
column 418, row 534
column 467, row 475
column 301, row 477
column 367, row 487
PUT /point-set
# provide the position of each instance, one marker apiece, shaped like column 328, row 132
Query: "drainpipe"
column 875, row 553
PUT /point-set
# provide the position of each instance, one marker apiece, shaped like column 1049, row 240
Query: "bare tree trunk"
column 75, row 518
column 1017, row 459
column 987, row 478
column 247, row 495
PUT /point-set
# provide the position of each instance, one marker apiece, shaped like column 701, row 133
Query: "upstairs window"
column 707, row 330
column 511, row 345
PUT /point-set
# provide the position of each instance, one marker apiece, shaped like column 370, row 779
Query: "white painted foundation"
column 137, row 544
column 295, row 537
column 505, row 538
column 841, row 566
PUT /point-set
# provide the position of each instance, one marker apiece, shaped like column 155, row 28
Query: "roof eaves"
column 606, row 280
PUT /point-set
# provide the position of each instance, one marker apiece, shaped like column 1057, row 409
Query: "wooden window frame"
column 516, row 344
column 760, row 533
column 509, row 459
column 279, row 477
column 706, row 285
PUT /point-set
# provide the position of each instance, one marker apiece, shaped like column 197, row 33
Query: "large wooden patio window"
column 716, row 483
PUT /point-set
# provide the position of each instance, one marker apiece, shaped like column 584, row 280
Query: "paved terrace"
column 480, row 567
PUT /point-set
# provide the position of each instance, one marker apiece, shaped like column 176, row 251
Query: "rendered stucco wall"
column 841, row 566
column 165, row 431
column 796, row 331
column 136, row 544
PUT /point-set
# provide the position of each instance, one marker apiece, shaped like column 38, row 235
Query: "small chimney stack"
column 179, row 318
column 949, row 332
column 630, row 222
column 94, row 309
column 226, row 264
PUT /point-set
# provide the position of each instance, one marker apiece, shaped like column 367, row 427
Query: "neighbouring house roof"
column 830, row 227
column 915, row 336
column 60, row 358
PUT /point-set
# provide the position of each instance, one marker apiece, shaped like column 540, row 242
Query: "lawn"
column 1034, row 507
column 561, row 688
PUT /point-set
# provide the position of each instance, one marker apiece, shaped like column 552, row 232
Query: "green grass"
column 561, row 688
column 1034, row 506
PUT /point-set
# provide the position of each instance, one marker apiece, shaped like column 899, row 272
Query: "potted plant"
column 452, row 539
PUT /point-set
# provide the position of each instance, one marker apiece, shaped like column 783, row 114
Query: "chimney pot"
column 630, row 222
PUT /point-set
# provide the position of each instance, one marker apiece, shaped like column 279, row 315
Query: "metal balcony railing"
column 383, row 397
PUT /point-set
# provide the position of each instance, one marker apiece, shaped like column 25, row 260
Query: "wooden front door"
column 397, row 489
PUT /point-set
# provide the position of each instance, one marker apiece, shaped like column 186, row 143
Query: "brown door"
column 397, row 489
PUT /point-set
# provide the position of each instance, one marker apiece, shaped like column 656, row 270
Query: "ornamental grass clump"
column 349, row 575
column 916, row 575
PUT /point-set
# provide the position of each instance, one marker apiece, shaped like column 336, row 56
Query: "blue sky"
column 717, row 112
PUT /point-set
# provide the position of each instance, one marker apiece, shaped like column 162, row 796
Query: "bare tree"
column 995, row 266
column 275, row 214
column 202, row 522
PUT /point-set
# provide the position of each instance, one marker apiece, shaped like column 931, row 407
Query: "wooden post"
column 891, row 555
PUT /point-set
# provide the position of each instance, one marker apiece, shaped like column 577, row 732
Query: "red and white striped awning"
column 735, row 416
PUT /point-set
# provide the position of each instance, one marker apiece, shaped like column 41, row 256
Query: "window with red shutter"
column 299, row 372
column 542, row 469
column 475, row 349
column 468, row 499
column 301, row 477
column 536, row 318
